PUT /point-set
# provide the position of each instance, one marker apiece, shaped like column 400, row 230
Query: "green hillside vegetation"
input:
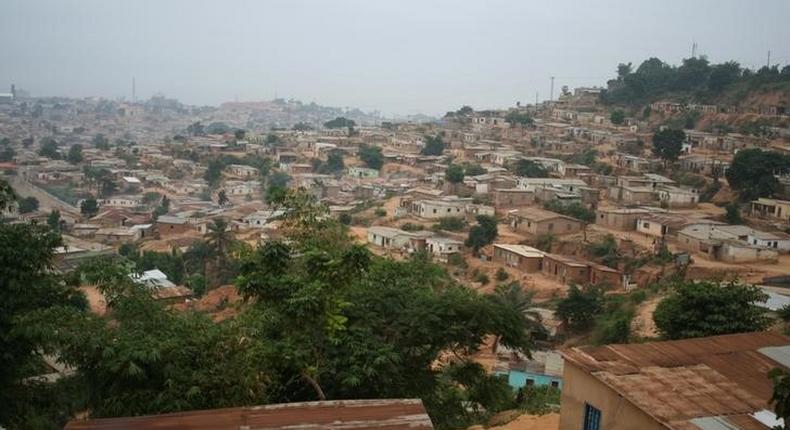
column 695, row 80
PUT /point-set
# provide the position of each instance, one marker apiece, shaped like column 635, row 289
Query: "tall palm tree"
column 219, row 238
column 512, row 296
column 220, row 241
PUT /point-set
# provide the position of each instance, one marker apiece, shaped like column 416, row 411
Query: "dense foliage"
column 701, row 308
column 752, row 172
column 668, row 143
column 695, row 77
column 483, row 233
column 434, row 145
column 515, row 117
column 454, row 174
column 573, row 209
column 529, row 169
column 324, row 318
column 27, row 285
column 371, row 156
column 340, row 122
column 579, row 309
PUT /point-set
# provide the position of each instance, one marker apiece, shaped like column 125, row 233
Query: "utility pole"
column 694, row 50
column 768, row 63
column 536, row 101
column 551, row 95
column 134, row 90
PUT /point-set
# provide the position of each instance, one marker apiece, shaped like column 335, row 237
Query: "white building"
column 443, row 247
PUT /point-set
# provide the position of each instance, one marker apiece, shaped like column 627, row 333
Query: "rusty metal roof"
column 677, row 381
column 383, row 414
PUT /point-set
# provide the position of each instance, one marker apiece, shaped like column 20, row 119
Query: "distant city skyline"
column 397, row 57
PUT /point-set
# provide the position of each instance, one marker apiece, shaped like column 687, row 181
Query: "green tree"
column 7, row 197
column 345, row 218
column 450, row 223
column 221, row 242
column 54, row 220
column 218, row 127
column 333, row 314
column 515, row 117
column 334, row 162
column 605, row 250
column 150, row 360
column 483, row 233
column 49, row 148
column 704, row 308
column 222, row 198
column 781, row 395
column 579, row 309
column 434, row 145
column 474, row 170
column 75, row 154
column 101, row 142
column 213, row 173
column 511, row 296
column 724, row 74
column 277, row 187
column 733, row 214
column 28, row 204
column 371, row 156
column 573, row 209
column 89, row 207
column 28, row 285
column 163, row 208
column 7, row 154
column 197, row 283
column 454, row 174
column 530, row 169
column 302, row 126
column 465, row 110
column 239, row 134
column 752, row 172
column 340, row 122
column 668, row 143
column 617, row 117
column 196, row 129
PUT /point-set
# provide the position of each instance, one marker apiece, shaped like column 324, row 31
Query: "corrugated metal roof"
column 678, row 381
column 383, row 414
column 780, row 354
column 713, row 423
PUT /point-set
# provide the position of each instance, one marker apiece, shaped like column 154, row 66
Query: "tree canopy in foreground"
column 323, row 318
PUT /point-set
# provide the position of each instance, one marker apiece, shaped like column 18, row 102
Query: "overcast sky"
column 398, row 56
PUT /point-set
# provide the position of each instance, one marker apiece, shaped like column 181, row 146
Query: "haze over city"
column 400, row 57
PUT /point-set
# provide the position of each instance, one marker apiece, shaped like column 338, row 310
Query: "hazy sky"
column 399, row 56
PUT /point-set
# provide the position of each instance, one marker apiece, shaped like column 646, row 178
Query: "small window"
column 530, row 382
column 592, row 418
column 646, row 225
column 555, row 384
